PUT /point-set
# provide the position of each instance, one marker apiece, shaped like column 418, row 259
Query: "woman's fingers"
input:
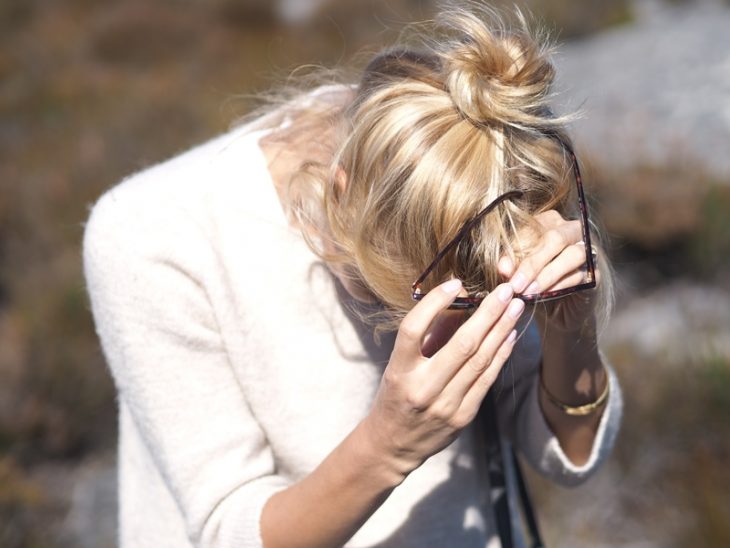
column 484, row 358
column 414, row 326
column 506, row 267
column 564, row 270
column 572, row 279
column 466, row 347
column 441, row 330
column 478, row 389
column 552, row 242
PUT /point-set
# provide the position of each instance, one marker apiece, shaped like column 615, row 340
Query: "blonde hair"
column 427, row 138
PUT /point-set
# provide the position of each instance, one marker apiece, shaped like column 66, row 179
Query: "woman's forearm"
column 573, row 373
column 421, row 406
column 329, row 505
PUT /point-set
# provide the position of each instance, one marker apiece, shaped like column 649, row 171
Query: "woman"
column 256, row 406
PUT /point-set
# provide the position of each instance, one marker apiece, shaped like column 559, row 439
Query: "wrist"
column 575, row 314
column 574, row 381
column 387, row 464
column 584, row 328
column 576, row 408
column 566, row 351
column 572, row 369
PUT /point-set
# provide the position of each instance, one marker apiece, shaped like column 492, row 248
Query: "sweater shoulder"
column 163, row 205
column 183, row 179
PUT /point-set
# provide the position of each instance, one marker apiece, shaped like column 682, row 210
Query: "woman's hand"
column 556, row 260
column 572, row 370
column 423, row 402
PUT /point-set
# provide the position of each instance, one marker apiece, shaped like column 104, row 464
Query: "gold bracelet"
column 576, row 410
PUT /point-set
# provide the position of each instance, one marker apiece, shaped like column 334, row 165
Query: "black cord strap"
column 499, row 484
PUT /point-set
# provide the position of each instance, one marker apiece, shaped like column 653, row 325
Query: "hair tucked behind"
column 428, row 137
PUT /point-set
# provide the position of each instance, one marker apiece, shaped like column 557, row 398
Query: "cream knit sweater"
column 240, row 364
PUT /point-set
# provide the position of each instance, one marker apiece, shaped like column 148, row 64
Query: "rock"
column 656, row 91
column 298, row 11
column 678, row 325
column 92, row 517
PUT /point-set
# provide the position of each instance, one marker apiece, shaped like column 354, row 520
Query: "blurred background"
column 93, row 90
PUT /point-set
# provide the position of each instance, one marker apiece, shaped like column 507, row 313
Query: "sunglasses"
column 473, row 301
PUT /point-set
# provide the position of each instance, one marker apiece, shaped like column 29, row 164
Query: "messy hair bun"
column 495, row 75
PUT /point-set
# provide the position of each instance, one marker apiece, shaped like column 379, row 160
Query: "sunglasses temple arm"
column 583, row 211
column 462, row 232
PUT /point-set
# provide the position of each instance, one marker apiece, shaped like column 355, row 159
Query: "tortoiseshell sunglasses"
column 473, row 301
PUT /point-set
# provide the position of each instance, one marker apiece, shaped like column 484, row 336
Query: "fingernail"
column 515, row 308
column 519, row 281
column 505, row 266
column 504, row 293
column 452, row 286
column 532, row 289
column 512, row 336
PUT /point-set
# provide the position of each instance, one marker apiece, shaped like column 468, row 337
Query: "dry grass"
column 667, row 482
column 664, row 221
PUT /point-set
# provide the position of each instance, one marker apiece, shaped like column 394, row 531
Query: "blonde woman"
column 238, row 290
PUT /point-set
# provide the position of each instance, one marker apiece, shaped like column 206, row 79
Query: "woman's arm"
column 573, row 373
column 148, row 269
column 330, row 504
column 421, row 405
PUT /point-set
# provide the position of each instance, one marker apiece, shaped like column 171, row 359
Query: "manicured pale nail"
column 504, row 293
column 505, row 266
column 515, row 308
column 452, row 286
column 512, row 336
column 532, row 289
column 519, row 281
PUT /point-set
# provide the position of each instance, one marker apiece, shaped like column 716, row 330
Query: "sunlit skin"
column 441, row 367
column 572, row 370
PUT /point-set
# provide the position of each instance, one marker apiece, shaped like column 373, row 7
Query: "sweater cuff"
column 237, row 520
column 544, row 450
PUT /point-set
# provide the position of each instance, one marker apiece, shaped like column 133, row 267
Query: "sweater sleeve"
column 522, row 419
column 147, row 270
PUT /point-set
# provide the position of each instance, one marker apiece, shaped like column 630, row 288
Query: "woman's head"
column 431, row 136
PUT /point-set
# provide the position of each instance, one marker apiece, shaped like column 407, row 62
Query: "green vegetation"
column 686, row 413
